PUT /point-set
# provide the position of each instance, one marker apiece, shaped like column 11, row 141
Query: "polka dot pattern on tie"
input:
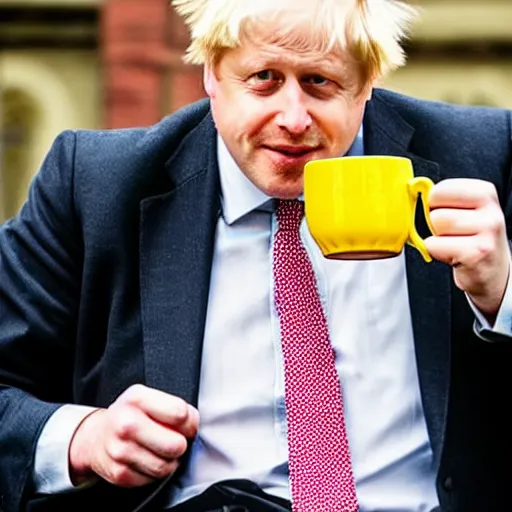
column 321, row 477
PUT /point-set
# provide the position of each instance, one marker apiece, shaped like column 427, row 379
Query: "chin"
column 288, row 194
column 283, row 191
column 280, row 183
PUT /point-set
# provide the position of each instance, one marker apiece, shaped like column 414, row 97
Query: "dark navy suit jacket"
column 104, row 280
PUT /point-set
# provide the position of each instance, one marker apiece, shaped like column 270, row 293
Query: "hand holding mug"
column 363, row 208
column 470, row 235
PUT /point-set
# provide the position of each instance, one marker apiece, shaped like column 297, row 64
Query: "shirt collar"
column 239, row 194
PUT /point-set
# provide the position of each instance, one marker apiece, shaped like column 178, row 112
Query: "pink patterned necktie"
column 321, row 476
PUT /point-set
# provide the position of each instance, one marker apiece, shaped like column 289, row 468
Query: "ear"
column 209, row 80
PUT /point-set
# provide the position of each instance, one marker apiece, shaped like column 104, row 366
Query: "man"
column 141, row 354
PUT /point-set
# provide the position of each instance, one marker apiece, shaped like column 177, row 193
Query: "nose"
column 293, row 113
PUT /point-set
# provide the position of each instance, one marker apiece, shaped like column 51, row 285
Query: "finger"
column 461, row 250
column 162, row 441
column 155, row 467
column 462, row 193
column 121, row 475
column 130, row 423
column 129, row 464
column 187, row 425
column 451, row 221
column 164, row 408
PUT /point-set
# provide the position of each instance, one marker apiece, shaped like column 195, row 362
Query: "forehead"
column 253, row 55
column 287, row 57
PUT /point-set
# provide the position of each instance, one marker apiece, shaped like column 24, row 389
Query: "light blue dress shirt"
column 241, row 398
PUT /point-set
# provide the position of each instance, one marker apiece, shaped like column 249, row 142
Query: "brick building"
column 88, row 64
column 142, row 43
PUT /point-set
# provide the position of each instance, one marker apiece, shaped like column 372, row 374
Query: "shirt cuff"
column 51, row 465
column 502, row 328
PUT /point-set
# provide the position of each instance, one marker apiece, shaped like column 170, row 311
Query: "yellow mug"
column 364, row 207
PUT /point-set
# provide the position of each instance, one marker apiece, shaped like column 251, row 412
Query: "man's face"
column 277, row 108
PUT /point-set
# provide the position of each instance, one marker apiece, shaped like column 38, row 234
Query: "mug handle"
column 417, row 186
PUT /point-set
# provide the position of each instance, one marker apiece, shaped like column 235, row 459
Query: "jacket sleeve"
column 40, row 273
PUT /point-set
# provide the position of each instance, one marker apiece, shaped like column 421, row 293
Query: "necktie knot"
column 290, row 213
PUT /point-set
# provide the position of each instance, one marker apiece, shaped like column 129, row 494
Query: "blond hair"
column 370, row 30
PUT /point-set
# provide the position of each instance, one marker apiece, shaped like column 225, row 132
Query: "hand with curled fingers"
column 470, row 235
column 137, row 440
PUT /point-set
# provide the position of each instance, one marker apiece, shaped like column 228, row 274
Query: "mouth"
column 293, row 151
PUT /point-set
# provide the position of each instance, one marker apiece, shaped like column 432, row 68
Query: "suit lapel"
column 429, row 285
column 176, row 248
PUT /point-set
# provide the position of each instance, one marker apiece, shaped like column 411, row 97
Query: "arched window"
column 18, row 122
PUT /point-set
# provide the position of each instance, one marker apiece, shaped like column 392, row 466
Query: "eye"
column 316, row 80
column 264, row 81
column 319, row 86
column 264, row 76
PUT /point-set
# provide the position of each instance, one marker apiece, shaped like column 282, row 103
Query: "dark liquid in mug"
column 362, row 255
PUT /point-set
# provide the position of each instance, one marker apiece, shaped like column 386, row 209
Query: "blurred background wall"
column 68, row 64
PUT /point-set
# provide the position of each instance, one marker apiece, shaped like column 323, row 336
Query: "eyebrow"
column 322, row 64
